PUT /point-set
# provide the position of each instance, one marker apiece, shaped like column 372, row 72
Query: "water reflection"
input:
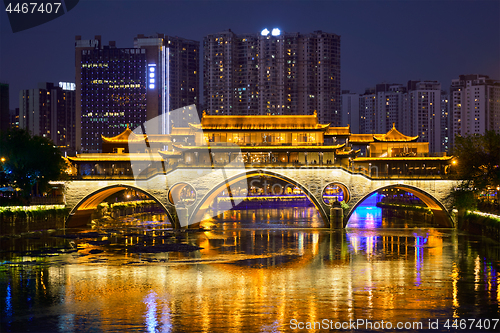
column 306, row 216
column 248, row 279
column 369, row 216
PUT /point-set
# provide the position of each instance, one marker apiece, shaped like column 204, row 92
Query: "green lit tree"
column 478, row 160
column 478, row 163
column 28, row 160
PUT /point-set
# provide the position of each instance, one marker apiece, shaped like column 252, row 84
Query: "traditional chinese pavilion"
column 283, row 140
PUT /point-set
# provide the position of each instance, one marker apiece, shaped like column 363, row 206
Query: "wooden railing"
column 276, row 165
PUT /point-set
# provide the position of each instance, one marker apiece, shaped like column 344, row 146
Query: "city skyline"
column 381, row 41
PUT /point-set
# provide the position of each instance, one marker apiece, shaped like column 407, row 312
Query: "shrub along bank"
column 21, row 219
column 479, row 223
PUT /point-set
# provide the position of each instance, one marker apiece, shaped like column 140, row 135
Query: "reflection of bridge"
column 83, row 196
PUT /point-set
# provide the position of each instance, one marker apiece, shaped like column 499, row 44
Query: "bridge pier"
column 80, row 218
column 336, row 217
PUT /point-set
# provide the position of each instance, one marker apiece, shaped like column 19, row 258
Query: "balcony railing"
column 373, row 174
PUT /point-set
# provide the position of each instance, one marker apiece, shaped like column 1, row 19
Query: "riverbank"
column 16, row 220
column 476, row 223
column 479, row 223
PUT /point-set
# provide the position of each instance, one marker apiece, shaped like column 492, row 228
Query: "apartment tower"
column 474, row 105
column 273, row 73
column 49, row 111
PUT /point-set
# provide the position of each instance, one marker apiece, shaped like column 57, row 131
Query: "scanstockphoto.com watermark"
column 470, row 324
column 209, row 165
column 359, row 324
column 195, row 179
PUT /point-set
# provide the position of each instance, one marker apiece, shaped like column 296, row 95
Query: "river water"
column 259, row 270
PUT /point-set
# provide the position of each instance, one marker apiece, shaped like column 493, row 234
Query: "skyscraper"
column 4, row 107
column 49, row 111
column 117, row 87
column 180, row 64
column 389, row 106
column 273, row 73
column 350, row 110
column 424, row 112
column 367, row 107
column 381, row 107
column 445, row 136
column 474, row 105
column 415, row 109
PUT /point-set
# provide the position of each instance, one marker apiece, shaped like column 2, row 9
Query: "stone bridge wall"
column 312, row 180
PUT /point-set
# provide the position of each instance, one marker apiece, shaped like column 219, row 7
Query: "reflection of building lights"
column 477, row 269
column 455, row 277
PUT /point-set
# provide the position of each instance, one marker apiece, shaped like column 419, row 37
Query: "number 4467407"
column 470, row 323
column 33, row 7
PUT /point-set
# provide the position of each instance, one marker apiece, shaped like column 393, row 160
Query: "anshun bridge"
column 221, row 153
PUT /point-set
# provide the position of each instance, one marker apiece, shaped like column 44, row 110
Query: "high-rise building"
column 445, row 137
column 381, row 107
column 181, row 71
column 350, row 111
column 273, row 73
column 4, row 107
column 49, row 111
column 415, row 109
column 389, row 106
column 424, row 112
column 474, row 105
column 367, row 107
column 14, row 118
column 117, row 87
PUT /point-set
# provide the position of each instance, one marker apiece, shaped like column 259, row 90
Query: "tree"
column 28, row 160
column 478, row 160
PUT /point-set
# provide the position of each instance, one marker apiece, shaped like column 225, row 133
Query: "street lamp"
column 453, row 163
column 498, row 195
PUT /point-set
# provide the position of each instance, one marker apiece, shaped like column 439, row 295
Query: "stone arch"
column 81, row 212
column 343, row 187
column 200, row 209
column 440, row 212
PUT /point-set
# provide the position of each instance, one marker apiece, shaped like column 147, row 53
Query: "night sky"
column 381, row 41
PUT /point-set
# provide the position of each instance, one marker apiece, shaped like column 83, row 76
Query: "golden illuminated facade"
column 264, row 141
column 275, row 140
column 394, row 153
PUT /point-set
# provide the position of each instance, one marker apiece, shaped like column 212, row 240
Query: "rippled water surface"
column 259, row 270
